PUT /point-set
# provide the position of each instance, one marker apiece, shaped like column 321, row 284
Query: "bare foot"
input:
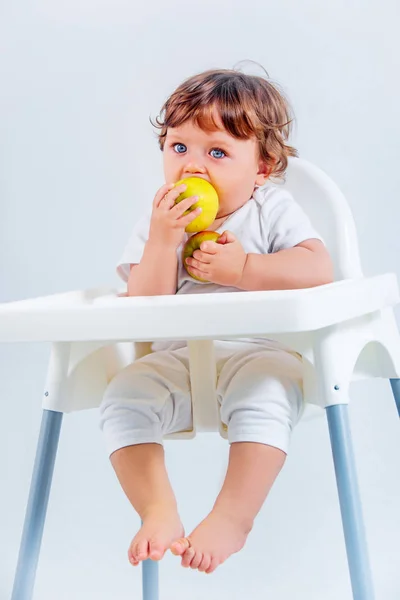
column 161, row 527
column 212, row 542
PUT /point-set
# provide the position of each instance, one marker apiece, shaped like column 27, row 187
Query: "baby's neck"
column 217, row 223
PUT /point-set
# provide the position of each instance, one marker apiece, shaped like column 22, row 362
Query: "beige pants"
column 259, row 387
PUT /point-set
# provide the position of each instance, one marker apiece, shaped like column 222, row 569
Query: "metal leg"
column 395, row 383
column 37, row 505
column 350, row 503
column 150, row 580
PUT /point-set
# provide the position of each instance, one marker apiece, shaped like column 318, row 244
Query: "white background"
column 79, row 161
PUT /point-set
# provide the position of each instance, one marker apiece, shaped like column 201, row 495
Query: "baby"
column 231, row 130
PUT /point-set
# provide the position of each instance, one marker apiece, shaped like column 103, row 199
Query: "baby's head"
column 228, row 128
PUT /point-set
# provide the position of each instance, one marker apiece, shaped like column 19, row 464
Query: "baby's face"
column 231, row 165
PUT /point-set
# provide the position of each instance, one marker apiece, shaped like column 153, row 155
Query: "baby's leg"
column 262, row 399
column 142, row 403
column 251, row 472
column 143, row 477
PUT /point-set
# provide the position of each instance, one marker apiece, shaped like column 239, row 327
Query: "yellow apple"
column 208, row 202
column 193, row 244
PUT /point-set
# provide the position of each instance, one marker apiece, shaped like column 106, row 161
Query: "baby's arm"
column 156, row 272
column 226, row 263
column 306, row 265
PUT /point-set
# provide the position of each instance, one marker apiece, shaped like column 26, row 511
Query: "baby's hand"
column 219, row 262
column 168, row 221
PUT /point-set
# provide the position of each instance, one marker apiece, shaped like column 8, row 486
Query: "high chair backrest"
column 329, row 212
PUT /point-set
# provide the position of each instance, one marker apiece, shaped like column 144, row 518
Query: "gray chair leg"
column 150, row 580
column 350, row 502
column 37, row 505
column 395, row 383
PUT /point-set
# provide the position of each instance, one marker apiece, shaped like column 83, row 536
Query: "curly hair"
column 248, row 106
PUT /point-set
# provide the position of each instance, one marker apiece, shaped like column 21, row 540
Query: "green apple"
column 193, row 244
column 208, row 202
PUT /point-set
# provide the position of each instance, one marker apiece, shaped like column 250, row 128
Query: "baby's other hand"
column 220, row 262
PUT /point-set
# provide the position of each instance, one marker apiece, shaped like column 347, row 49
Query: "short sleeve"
column 285, row 223
column 133, row 251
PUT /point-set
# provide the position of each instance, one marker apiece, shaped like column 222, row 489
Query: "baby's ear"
column 264, row 171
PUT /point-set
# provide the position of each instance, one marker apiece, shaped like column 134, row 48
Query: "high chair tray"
column 100, row 314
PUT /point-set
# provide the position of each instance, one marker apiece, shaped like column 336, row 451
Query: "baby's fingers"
column 162, row 192
column 168, row 201
column 186, row 219
column 181, row 207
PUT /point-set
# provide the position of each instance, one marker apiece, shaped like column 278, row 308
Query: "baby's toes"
column 188, row 556
column 180, row 546
column 205, row 563
column 139, row 550
column 213, row 565
column 131, row 559
column 157, row 550
column 196, row 560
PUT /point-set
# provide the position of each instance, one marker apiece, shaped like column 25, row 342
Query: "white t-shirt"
column 270, row 221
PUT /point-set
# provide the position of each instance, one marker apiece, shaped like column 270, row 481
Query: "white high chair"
column 343, row 330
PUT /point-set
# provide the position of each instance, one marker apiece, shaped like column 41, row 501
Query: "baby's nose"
column 193, row 167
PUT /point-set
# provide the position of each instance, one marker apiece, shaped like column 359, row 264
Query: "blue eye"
column 179, row 148
column 218, row 153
